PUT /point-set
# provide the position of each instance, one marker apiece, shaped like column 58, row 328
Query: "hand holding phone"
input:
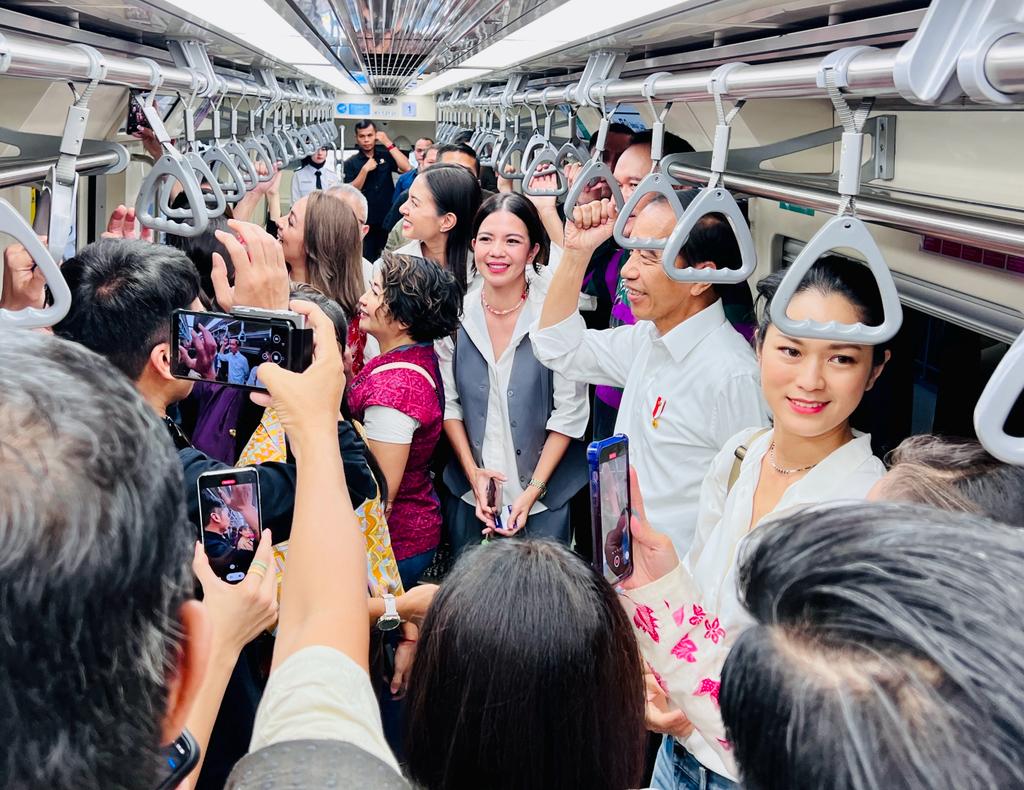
column 229, row 517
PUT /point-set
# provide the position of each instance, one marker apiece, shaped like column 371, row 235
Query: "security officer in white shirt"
column 314, row 174
column 690, row 381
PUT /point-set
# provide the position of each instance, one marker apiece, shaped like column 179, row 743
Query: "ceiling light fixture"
column 259, row 25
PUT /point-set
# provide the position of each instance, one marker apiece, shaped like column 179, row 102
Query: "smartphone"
column 610, row 507
column 178, row 759
column 136, row 120
column 229, row 347
column 494, row 500
column 230, row 522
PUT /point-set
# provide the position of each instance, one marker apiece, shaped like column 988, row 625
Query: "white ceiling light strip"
column 259, row 25
column 446, row 79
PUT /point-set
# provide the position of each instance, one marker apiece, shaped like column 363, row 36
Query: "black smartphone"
column 229, row 347
column 136, row 120
column 230, row 522
column 178, row 760
column 610, row 507
column 494, row 490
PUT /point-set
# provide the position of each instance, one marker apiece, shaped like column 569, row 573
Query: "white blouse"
column 498, row 452
column 688, row 620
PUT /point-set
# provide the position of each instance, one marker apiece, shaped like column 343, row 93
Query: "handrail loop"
column 997, row 400
column 844, row 230
column 655, row 181
column 596, row 169
column 14, row 225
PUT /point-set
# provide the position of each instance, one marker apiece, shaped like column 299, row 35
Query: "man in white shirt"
column 237, row 364
column 690, row 380
column 314, row 174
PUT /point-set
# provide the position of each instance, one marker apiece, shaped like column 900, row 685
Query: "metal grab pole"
column 870, row 73
column 31, row 172
column 33, row 57
column 989, row 234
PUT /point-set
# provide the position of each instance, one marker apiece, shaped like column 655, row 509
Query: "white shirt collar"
column 682, row 339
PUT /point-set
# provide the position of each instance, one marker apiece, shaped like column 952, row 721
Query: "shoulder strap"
column 406, row 366
column 741, row 453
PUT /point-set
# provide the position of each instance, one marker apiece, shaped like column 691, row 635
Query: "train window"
column 941, row 360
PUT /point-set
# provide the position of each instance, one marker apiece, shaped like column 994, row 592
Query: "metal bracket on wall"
column 880, row 166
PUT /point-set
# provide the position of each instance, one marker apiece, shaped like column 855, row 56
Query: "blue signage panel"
column 353, row 109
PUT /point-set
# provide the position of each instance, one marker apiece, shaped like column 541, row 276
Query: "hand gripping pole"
column 14, row 225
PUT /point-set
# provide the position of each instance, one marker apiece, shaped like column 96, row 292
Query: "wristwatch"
column 390, row 620
column 391, row 147
column 541, row 485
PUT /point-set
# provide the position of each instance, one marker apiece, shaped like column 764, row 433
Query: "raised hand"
column 123, row 225
column 590, row 225
column 23, row 283
column 261, row 276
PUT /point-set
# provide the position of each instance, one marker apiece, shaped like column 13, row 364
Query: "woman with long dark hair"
column 523, row 428
column 437, row 218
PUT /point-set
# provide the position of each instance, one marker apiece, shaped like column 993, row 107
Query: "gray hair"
column 347, row 190
column 884, row 633
column 94, row 567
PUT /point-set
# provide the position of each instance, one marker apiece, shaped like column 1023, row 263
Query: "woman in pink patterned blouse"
column 399, row 396
column 687, row 614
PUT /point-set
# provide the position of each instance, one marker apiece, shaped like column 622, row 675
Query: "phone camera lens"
column 277, row 340
column 275, row 357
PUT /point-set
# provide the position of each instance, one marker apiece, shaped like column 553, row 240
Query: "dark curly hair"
column 421, row 295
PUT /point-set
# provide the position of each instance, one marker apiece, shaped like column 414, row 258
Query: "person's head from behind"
column 356, row 201
column 634, row 165
column 410, row 297
column 459, row 154
column 507, row 237
column 652, row 294
column 439, row 212
column 200, row 250
column 617, row 140
column 122, row 295
column 813, row 386
column 953, row 474
column 366, row 136
column 883, row 633
column 322, row 243
column 104, row 650
column 217, row 519
column 526, row 675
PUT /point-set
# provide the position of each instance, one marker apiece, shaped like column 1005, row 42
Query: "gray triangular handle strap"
column 257, row 147
column 653, row 183
column 213, row 200
column 172, row 166
column 506, row 160
column 533, row 146
column 14, row 225
column 488, row 143
column 711, row 201
column 570, row 152
column 594, row 170
column 217, row 158
column 997, row 401
column 846, row 232
column 242, row 162
column 545, row 157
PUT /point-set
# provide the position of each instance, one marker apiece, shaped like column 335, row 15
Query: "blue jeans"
column 677, row 769
column 411, row 568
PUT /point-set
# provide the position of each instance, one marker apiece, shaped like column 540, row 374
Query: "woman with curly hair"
column 399, row 397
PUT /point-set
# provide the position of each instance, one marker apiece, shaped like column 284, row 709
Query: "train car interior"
column 886, row 136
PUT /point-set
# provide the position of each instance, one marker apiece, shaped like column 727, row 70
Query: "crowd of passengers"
column 800, row 615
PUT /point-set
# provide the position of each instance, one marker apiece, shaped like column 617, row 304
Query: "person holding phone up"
column 508, row 417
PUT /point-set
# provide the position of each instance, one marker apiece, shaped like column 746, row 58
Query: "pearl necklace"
column 509, row 311
column 779, row 469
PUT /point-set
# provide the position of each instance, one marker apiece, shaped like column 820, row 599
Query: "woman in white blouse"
column 438, row 216
column 508, row 418
column 687, row 613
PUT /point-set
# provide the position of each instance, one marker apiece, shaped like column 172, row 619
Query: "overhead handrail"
column 574, row 147
column 596, row 169
column 61, row 184
column 255, row 147
column 171, row 165
column 845, row 230
column 218, row 159
column 714, row 199
column 14, row 225
column 538, row 140
column 487, row 142
column 516, row 144
column 1004, row 389
column 655, row 182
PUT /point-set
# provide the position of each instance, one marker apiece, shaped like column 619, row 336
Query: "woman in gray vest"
column 508, row 418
